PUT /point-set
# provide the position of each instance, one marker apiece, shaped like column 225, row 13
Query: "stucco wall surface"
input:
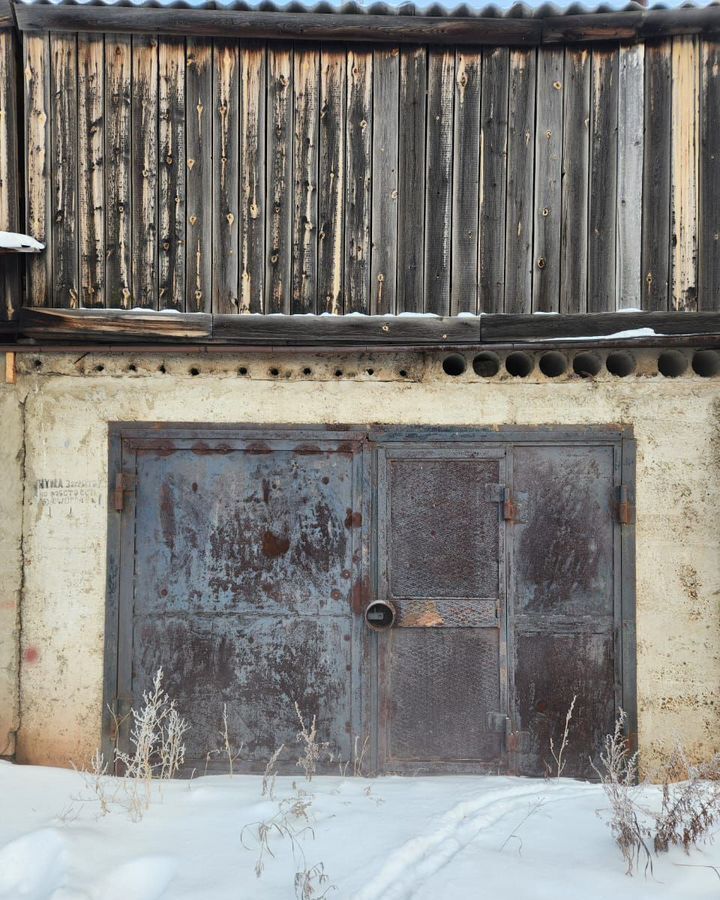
column 677, row 427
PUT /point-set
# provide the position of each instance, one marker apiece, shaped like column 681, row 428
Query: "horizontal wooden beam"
column 113, row 325
column 7, row 16
column 530, row 328
column 135, row 327
column 496, row 31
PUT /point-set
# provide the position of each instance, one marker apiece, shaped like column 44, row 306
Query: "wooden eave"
column 630, row 25
column 59, row 328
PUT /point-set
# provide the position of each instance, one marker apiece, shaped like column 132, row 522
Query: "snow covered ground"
column 429, row 838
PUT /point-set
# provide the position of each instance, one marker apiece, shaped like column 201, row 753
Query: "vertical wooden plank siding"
column 576, row 150
column 603, row 181
column 278, row 241
column 684, row 200
column 91, row 150
column 199, row 177
column 709, row 211
column 10, row 298
column 252, row 184
column 359, row 177
column 630, row 170
column 38, row 166
column 144, row 171
column 235, row 176
column 493, row 178
column 520, row 182
column 386, row 88
column 117, row 161
column 548, row 179
column 411, row 179
column 64, row 147
column 439, row 180
column 331, row 181
column 226, row 176
column 655, row 270
column 466, row 184
column 171, row 180
column 305, row 195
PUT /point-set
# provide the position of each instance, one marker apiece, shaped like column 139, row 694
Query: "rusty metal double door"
column 245, row 562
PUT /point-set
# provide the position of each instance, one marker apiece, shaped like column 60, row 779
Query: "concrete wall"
column 62, row 437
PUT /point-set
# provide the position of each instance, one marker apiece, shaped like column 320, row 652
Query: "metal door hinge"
column 501, row 493
column 124, row 483
column 625, row 509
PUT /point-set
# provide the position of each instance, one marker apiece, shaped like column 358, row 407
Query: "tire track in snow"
column 419, row 858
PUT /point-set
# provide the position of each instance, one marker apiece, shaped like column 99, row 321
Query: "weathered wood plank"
column 91, row 163
column 520, row 181
column 334, row 331
column 548, row 179
column 278, row 240
column 252, row 184
column 10, row 298
column 493, row 178
column 198, row 181
column 630, row 175
column 171, row 181
column 358, row 185
column 113, row 325
column 603, row 181
column 117, row 159
column 305, row 169
column 331, row 180
column 709, row 210
column 64, row 168
column 576, row 148
column 497, row 31
column 656, row 177
column 386, row 97
column 439, row 179
column 226, row 176
column 466, row 183
column 510, row 329
column 145, row 172
column 684, row 185
column 411, row 179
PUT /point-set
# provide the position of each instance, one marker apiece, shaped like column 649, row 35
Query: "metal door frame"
column 125, row 437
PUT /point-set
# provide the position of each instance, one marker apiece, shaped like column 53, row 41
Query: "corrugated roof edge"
column 508, row 10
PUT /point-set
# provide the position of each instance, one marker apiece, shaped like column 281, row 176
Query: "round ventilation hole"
column 553, row 364
column 519, row 364
column 486, row 365
column 620, row 363
column 454, row 365
column 587, row 365
column 672, row 363
column 706, row 363
column 242, row 370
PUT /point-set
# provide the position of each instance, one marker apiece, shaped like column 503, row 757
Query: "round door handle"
column 380, row 615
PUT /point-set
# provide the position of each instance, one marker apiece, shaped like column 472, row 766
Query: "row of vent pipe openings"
column 587, row 364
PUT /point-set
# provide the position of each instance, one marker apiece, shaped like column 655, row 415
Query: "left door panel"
column 239, row 563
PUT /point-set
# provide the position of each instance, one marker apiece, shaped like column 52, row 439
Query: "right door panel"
column 564, row 600
column 442, row 695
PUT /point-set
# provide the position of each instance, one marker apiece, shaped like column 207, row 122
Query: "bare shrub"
column 558, row 756
column 291, row 821
column 232, row 754
column 690, row 809
column 270, row 774
column 312, row 883
column 313, row 750
column 618, row 774
column 102, row 787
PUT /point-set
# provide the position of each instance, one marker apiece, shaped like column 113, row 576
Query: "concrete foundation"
column 53, row 508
